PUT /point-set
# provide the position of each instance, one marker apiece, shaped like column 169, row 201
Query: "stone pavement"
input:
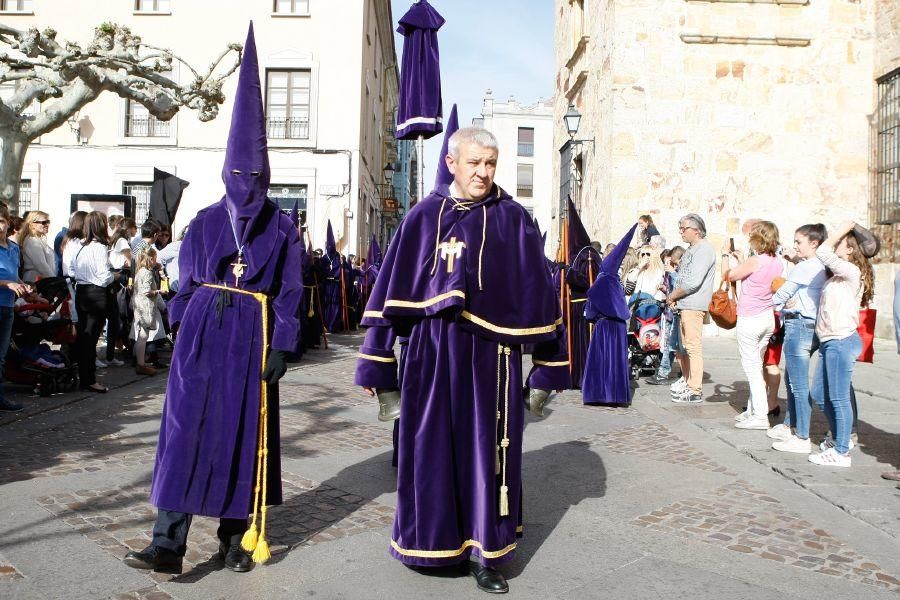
column 654, row 501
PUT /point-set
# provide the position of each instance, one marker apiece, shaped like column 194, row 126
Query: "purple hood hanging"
column 443, row 176
column 246, row 170
column 419, row 112
column 606, row 298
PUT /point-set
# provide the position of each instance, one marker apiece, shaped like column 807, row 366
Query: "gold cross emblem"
column 450, row 251
column 238, row 269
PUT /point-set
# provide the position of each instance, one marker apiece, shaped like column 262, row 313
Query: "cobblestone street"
column 653, row 501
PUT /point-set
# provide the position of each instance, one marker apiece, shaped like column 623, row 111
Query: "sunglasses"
column 682, row 229
column 47, row 222
column 646, row 254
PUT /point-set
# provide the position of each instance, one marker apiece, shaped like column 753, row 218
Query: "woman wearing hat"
column 850, row 286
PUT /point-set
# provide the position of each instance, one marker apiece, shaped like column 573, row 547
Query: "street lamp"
column 389, row 171
column 572, row 119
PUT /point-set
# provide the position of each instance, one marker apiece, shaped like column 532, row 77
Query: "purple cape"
column 466, row 310
column 606, row 378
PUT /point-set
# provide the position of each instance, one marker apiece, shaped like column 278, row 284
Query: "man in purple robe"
column 312, row 326
column 584, row 264
column 606, row 375
column 464, row 279
column 236, row 312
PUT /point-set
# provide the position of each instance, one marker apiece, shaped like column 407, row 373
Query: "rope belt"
column 503, row 417
column 254, row 539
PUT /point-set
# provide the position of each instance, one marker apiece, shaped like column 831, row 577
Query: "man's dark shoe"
column 487, row 579
column 153, row 557
column 7, row 405
column 657, row 380
column 236, row 558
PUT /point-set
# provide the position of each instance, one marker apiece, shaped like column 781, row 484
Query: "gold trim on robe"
column 377, row 358
column 545, row 363
column 451, row 553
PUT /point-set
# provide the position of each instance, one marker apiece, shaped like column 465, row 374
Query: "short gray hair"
column 696, row 221
column 474, row 135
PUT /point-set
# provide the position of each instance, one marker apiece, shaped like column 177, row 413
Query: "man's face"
column 689, row 233
column 474, row 170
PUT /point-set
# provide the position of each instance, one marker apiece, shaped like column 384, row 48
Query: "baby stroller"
column 644, row 335
column 30, row 360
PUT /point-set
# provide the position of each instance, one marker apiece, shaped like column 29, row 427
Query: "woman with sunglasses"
column 38, row 260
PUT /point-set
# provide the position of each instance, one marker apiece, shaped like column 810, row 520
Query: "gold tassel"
column 248, row 542
column 262, row 554
column 312, row 301
column 504, row 501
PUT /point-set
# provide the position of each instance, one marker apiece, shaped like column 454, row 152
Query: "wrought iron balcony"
column 280, row 128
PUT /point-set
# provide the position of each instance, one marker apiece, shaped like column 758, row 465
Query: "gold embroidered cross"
column 238, row 269
column 450, row 251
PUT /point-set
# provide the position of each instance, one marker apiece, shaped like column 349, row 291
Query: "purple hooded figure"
column 236, row 316
column 313, row 327
column 463, row 280
column 335, row 286
column 443, row 175
column 606, row 378
column 584, row 264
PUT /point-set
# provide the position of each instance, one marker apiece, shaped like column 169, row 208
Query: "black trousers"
column 171, row 530
column 92, row 303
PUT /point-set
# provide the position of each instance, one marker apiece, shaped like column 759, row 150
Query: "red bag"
column 866, row 331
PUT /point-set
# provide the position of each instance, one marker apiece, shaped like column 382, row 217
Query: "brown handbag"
column 723, row 306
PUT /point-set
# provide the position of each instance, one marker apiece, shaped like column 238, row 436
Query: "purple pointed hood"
column 606, row 298
column 330, row 245
column 246, row 170
column 613, row 261
column 374, row 257
column 295, row 213
column 444, row 176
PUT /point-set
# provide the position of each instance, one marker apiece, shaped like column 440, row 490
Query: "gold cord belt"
column 503, row 415
column 254, row 541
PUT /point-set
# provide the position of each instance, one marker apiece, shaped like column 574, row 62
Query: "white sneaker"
column 100, row 364
column 678, row 387
column 781, row 432
column 830, row 458
column 115, row 363
column 753, row 423
column 828, row 443
column 742, row 416
column 793, row 444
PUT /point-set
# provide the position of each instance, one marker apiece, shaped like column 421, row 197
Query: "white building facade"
column 525, row 136
column 330, row 79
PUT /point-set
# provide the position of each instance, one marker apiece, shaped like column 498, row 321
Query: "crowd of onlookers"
column 811, row 298
column 117, row 279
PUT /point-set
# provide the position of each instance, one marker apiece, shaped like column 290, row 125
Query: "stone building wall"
column 733, row 110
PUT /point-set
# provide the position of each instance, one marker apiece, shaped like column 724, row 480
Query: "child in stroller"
column 41, row 317
column 644, row 334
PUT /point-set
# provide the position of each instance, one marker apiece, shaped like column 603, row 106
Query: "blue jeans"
column 668, row 353
column 832, row 386
column 798, row 348
column 6, row 325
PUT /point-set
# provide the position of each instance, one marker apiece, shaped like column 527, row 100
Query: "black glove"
column 276, row 367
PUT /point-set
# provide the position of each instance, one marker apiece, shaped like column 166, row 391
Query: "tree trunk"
column 12, row 159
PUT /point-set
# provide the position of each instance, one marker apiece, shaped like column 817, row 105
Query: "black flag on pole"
column 165, row 196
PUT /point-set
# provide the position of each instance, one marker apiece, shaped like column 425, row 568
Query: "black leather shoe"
column 236, row 558
column 153, row 557
column 487, row 579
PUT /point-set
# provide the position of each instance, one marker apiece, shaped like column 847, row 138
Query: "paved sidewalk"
column 654, row 501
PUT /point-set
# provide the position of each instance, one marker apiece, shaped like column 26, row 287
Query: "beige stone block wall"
column 887, row 35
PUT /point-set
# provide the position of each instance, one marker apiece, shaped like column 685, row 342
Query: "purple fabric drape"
column 419, row 112
column 443, row 177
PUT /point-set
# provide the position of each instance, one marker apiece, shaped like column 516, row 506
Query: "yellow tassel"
column 249, row 541
column 504, row 502
column 262, row 554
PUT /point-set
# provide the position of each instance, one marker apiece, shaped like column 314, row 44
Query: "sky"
column 502, row 45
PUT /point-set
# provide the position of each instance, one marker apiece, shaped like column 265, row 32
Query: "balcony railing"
column 146, row 126
column 524, row 191
column 526, row 149
column 280, row 128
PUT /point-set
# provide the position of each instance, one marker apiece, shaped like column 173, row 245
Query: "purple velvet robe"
column 205, row 460
column 333, row 293
column 467, row 310
column 419, row 109
column 606, row 380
